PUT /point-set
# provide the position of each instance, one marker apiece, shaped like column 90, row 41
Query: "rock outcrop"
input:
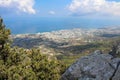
column 96, row 66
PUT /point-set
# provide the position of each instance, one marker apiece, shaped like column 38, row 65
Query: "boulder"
column 96, row 66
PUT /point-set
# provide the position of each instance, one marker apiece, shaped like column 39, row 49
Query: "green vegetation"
column 105, row 46
column 68, row 60
column 22, row 64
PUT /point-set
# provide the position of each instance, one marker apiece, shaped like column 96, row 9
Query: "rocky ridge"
column 96, row 66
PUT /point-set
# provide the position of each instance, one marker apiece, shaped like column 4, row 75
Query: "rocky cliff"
column 96, row 66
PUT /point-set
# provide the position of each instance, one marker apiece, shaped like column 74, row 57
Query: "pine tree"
column 21, row 64
column 4, row 34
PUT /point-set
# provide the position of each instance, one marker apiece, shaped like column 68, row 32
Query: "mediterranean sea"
column 47, row 24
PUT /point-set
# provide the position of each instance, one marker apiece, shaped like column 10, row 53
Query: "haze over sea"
column 47, row 24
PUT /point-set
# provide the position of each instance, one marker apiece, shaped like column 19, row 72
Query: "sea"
column 47, row 24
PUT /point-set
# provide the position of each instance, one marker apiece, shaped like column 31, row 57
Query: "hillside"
column 96, row 66
column 69, row 44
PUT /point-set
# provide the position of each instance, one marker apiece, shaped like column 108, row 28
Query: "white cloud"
column 20, row 5
column 52, row 12
column 95, row 7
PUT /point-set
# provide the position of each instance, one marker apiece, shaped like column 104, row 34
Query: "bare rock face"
column 96, row 66
column 117, row 74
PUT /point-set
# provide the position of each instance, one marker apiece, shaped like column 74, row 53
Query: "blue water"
column 46, row 24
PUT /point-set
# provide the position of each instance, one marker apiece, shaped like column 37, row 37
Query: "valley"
column 68, row 45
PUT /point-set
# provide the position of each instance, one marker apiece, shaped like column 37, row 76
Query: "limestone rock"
column 96, row 66
column 117, row 74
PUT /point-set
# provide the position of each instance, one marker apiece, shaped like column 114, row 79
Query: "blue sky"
column 48, row 15
column 58, row 8
column 52, row 7
column 43, row 8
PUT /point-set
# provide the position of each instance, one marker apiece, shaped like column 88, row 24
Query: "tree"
column 21, row 64
column 45, row 68
column 4, row 34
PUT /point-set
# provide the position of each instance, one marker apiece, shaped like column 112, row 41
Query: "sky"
column 60, row 8
column 47, row 15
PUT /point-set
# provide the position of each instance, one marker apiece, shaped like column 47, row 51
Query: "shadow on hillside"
column 36, row 42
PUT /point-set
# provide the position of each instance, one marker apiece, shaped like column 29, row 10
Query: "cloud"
column 52, row 12
column 94, row 7
column 19, row 5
